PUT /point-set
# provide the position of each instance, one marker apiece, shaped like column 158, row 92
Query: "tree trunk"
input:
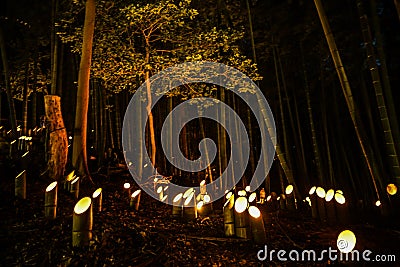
column 79, row 155
column 13, row 116
column 118, row 126
column 347, row 92
column 58, row 142
column 397, row 5
column 391, row 152
column 25, row 101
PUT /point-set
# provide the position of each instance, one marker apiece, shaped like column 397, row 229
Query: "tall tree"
column 79, row 155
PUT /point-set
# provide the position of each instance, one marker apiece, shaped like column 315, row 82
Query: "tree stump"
column 58, row 142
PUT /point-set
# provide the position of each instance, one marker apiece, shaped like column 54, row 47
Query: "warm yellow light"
column 155, row 180
column 51, row 186
column 71, row 175
column 97, row 192
column 247, row 188
column 241, row 204
column 159, row 189
column 137, row 192
column 339, row 191
column 269, row 197
column 391, row 189
column 278, row 198
column 228, row 196
column 177, row 197
column 252, row 197
column 188, row 192
column 82, row 205
column 199, row 205
column 378, row 203
column 289, row 189
column 127, row 185
column 202, row 183
column 340, row 198
column 254, row 212
column 242, row 193
column 329, row 195
column 75, row 180
column 189, row 198
column 164, row 198
column 320, row 192
column 206, row 199
column 166, row 188
column 312, row 190
column 346, row 241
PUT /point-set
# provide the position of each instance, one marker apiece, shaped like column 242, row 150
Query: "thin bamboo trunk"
column 324, row 110
column 317, row 157
column 300, row 134
column 79, row 156
column 60, row 68
column 392, row 155
column 347, row 92
column 34, row 94
column 54, row 48
column 25, row 101
column 110, row 123
column 13, row 116
column 118, row 126
column 397, row 5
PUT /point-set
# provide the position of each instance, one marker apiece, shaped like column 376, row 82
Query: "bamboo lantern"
column 50, row 201
column 82, row 222
column 74, row 187
column 189, row 206
column 241, row 217
column 282, row 201
column 205, row 207
column 160, row 192
column 321, row 203
column 341, row 208
column 165, row 192
column 135, row 199
column 20, row 185
column 346, row 241
column 67, row 183
column 313, row 202
column 177, row 205
column 262, row 196
column 127, row 188
column 290, row 199
column 257, row 226
column 391, row 189
column 12, row 144
column 330, row 207
column 98, row 199
column 229, row 215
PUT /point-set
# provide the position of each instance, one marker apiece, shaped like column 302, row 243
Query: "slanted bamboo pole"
column 20, row 185
column 50, row 201
column 98, row 199
column 82, row 223
column 135, row 199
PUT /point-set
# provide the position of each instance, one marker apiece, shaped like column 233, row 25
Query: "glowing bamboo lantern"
column 391, row 189
column 160, row 192
column 98, row 199
column 13, row 143
column 321, row 203
column 290, row 199
column 67, row 183
column 20, row 185
column 135, row 199
column 177, row 205
column 127, row 188
column 282, row 201
column 341, row 208
column 205, row 207
column 50, row 201
column 346, row 241
column 74, row 188
column 82, row 222
column 330, row 207
column 257, row 226
column 262, row 196
column 229, row 215
column 241, row 217
column 313, row 202
column 189, row 206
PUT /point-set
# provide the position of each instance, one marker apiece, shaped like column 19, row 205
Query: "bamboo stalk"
column 257, row 226
column 135, row 199
column 229, row 217
column 177, row 205
column 20, row 185
column 82, row 223
column 98, row 199
column 242, row 227
column 50, row 201
column 74, row 188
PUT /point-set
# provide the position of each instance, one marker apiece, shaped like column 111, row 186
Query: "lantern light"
column 127, row 185
column 199, row 205
column 269, row 198
column 228, row 195
column 320, row 192
column 391, row 189
column 289, row 189
column 378, row 203
column 51, row 186
column 340, row 198
column 252, row 197
column 188, row 192
column 177, row 198
column 241, row 204
column 329, row 195
column 97, row 192
column 312, row 190
column 346, row 241
column 247, row 188
column 164, row 198
column 254, row 212
column 206, row 199
column 159, row 189
column 339, row 192
column 82, row 205
column 242, row 193
column 189, row 198
column 134, row 194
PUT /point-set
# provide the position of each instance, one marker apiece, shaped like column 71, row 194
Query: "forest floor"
column 152, row 237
